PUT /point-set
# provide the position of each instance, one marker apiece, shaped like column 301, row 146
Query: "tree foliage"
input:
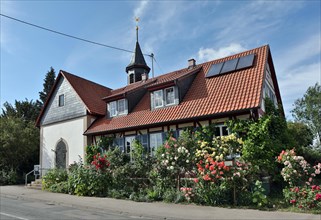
column 26, row 110
column 19, row 143
column 19, row 138
column 47, row 85
column 263, row 138
column 300, row 134
column 308, row 110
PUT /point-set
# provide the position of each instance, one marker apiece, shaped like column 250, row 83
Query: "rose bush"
column 219, row 147
column 307, row 197
column 297, row 171
column 300, row 175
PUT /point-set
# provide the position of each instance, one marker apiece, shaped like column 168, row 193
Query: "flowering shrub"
column 176, row 156
column 100, row 162
column 220, row 147
column 307, row 197
column 187, row 192
column 300, row 176
column 175, row 160
column 84, row 180
column 297, row 171
column 215, row 179
column 212, row 171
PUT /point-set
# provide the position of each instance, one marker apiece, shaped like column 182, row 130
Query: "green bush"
column 61, row 187
column 91, row 151
column 8, row 177
column 258, row 197
column 312, row 155
column 172, row 195
column 53, row 177
column 87, row 181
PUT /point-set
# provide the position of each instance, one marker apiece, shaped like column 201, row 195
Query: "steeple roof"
column 137, row 60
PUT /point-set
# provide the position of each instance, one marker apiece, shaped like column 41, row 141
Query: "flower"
column 292, row 201
column 318, row 196
column 206, row 177
column 196, row 180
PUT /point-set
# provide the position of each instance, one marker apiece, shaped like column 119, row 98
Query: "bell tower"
column 137, row 70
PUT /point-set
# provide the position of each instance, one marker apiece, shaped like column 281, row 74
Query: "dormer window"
column 119, row 107
column 158, row 99
column 164, row 97
column 169, row 96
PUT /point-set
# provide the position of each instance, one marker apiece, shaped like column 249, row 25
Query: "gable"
column 73, row 106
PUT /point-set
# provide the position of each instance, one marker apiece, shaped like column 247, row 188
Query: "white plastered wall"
column 71, row 131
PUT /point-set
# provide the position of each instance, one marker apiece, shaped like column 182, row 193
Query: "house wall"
column 71, row 132
column 66, row 123
column 72, row 108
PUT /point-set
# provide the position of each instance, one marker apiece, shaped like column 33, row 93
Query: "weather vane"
column 137, row 20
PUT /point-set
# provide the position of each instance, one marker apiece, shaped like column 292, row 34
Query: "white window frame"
column 221, row 129
column 155, row 141
column 158, row 98
column 113, row 108
column 123, row 101
column 166, row 95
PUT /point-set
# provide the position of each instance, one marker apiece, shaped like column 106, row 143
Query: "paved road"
column 18, row 202
column 27, row 210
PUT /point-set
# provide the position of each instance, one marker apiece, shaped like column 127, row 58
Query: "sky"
column 174, row 31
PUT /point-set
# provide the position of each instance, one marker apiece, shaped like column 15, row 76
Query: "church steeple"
column 137, row 66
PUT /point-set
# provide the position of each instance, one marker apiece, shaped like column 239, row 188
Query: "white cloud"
column 139, row 11
column 304, row 50
column 298, row 68
column 206, row 54
column 252, row 21
column 294, row 84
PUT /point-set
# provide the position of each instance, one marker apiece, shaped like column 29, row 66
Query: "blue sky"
column 174, row 31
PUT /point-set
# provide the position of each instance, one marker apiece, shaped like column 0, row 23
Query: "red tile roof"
column 236, row 91
column 89, row 92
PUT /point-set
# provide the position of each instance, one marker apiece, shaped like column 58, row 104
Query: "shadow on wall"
column 47, row 158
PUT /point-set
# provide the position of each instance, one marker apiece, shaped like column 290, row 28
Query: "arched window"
column 61, row 155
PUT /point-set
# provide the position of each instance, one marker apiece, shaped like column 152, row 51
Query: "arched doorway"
column 61, row 155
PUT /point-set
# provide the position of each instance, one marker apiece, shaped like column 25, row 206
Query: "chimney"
column 191, row 63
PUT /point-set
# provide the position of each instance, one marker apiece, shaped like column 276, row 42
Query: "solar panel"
column 229, row 65
column 246, row 61
column 215, row 69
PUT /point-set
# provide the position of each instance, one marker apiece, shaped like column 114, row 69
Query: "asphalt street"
column 19, row 202
column 15, row 208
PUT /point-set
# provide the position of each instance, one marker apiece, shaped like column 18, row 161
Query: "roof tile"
column 207, row 96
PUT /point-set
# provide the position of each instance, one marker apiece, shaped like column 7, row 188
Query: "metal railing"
column 36, row 172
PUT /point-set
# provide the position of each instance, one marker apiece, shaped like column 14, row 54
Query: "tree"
column 300, row 134
column 26, row 110
column 263, row 139
column 47, row 85
column 308, row 110
column 19, row 144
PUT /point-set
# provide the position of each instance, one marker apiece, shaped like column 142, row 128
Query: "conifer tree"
column 47, row 85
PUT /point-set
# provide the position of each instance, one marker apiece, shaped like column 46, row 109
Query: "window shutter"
column 152, row 101
column 126, row 106
column 176, row 95
column 108, row 110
